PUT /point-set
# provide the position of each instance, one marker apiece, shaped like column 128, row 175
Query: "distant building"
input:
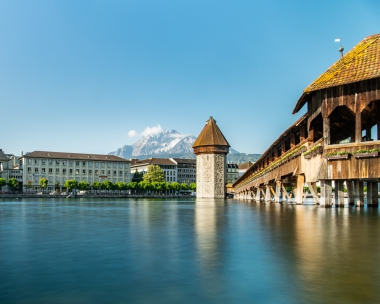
column 9, row 168
column 166, row 164
column 232, row 173
column 175, row 169
column 57, row 167
column 186, row 170
column 244, row 167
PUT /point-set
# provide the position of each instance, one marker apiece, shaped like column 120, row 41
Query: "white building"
column 167, row 165
column 9, row 168
column 57, row 167
column 179, row 170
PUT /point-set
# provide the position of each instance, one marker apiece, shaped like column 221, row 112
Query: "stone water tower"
column 211, row 149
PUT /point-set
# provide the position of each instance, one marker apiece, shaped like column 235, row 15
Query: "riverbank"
column 25, row 195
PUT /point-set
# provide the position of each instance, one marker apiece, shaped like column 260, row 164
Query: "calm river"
column 186, row 251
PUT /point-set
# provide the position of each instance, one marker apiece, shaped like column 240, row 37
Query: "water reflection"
column 185, row 251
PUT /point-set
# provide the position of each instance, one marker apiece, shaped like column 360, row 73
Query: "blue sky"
column 80, row 75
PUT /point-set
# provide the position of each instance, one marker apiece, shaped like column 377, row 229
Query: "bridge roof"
column 360, row 63
column 272, row 146
column 211, row 136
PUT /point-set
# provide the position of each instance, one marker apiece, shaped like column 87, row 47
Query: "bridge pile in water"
column 338, row 139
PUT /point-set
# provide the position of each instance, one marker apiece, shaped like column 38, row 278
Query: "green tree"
column 184, row 186
column 175, row 186
column 96, row 186
column 12, row 183
column 29, row 185
column 193, row 186
column 137, row 176
column 108, row 185
column 83, row 185
column 43, row 183
column 3, row 182
column 132, row 186
column 145, row 186
column 154, row 174
column 122, row 186
column 71, row 184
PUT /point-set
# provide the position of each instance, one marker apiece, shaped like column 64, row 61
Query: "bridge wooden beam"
column 326, row 191
column 278, row 192
column 339, row 193
column 350, row 192
column 326, row 130
column 313, row 190
column 359, row 193
column 299, row 189
column 358, row 127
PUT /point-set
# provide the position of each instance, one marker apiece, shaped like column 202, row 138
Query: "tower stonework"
column 211, row 149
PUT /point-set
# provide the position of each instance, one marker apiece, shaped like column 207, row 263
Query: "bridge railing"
column 283, row 160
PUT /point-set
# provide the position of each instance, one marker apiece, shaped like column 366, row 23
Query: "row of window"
column 77, row 171
column 186, row 175
column 77, row 163
column 186, row 170
column 169, row 173
column 51, row 179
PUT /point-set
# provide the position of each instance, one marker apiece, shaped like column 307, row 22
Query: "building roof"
column 2, row 155
column 185, row 160
column 211, row 136
column 153, row 161
column 360, row 63
column 245, row 166
column 232, row 166
column 74, row 156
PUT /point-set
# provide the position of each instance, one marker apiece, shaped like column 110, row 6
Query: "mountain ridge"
column 170, row 144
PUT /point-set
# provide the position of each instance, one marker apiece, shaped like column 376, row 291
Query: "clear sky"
column 84, row 76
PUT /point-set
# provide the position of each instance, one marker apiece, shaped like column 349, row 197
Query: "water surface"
column 186, row 251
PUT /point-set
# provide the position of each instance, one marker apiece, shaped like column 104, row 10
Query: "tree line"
column 153, row 181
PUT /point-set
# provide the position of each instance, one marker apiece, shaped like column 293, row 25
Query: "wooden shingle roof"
column 360, row 63
column 211, row 136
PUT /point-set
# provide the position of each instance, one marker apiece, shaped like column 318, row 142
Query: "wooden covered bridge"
column 338, row 139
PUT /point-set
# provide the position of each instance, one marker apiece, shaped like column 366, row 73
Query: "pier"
column 337, row 140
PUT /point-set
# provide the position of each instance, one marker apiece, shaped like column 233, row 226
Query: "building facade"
column 186, row 170
column 232, row 173
column 9, row 168
column 211, row 149
column 57, row 167
column 175, row 169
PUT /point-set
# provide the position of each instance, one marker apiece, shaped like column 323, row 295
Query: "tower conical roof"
column 211, row 136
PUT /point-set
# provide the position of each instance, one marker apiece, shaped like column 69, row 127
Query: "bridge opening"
column 342, row 125
column 316, row 129
column 370, row 117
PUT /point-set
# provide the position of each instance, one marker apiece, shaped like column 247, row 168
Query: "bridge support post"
column 339, row 193
column 372, row 194
column 350, row 192
column 251, row 194
column 267, row 193
column 262, row 192
column 258, row 194
column 299, row 189
column 326, row 189
column 278, row 192
column 359, row 193
column 313, row 189
column 284, row 194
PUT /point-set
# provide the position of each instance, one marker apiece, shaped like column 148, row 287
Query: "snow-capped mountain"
column 168, row 143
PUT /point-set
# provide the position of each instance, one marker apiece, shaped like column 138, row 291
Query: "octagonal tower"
column 211, row 149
